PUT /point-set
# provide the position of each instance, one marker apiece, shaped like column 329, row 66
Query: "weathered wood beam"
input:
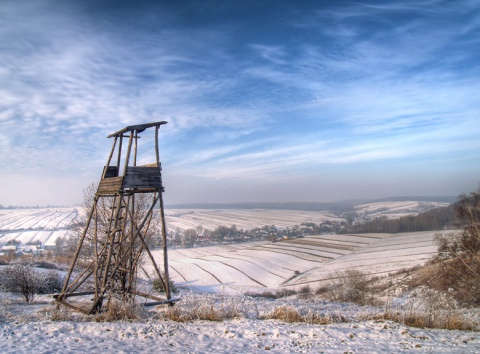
column 162, row 219
column 76, row 308
column 80, row 293
column 139, row 127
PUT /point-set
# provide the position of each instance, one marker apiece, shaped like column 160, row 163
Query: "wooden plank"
column 140, row 128
column 148, row 296
column 76, row 308
column 110, row 185
column 164, row 302
column 80, row 293
column 158, row 300
column 111, row 171
column 141, row 170
column 143, row 177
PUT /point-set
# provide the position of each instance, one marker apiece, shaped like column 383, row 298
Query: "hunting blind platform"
column 118, row 230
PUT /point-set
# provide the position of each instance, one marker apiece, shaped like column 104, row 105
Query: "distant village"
column 197, row 237
column 369, row 220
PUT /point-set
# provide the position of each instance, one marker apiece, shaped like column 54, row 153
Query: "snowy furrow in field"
column 393, row 264
column 34, row 219
column 399, row 252
column 224, row 273
column 39, row 221
column 26, row 236
column 407, row 246
column 310, row 255
column 286, row 261
column 370, row 265
column 252, row 270
column 6, row 216
column 181, row 224
column 196, row 276
column 364, row 261
column 58, row 234
column 318, row 242
column 400, row 239
column 353, row 239
column 57, row 219
column 19, row 223
column 42, row 236
column 182, row 253
column 267, row 265
column 246, row 263
column 317, row 250
column 14, row 218
column 241, row 246
column 383, row 269
column 10, row 236
column 242, row 219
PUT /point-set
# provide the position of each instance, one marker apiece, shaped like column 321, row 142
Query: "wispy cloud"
column 328, row 85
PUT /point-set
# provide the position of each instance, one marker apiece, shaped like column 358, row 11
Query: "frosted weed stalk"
column 5, row 303
column 212, row 307
column 208, row 307
column 289, row 314
column 429, row 308
column 119, row 310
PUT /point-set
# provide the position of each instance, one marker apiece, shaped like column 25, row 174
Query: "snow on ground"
column 295, row 263
column 396, row 209
column 225, row 273
column 242, row 218
column 29, row 225
column 26, row 329
column 390, row 254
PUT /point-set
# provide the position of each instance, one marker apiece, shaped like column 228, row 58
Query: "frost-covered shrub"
column 22, row 277
column 305, row 292
column 289, row 314
column 457, row 265
column 120, row 310
column 207, row 307
column 272, row 295
column 158, row 285
column 350, row 286
column 424, row 307
column 263, row 294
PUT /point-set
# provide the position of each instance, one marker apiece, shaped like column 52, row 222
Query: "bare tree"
column 457, row 268
column 349, row 286
column 188, row 238
column 103, row 216
column 21, row 277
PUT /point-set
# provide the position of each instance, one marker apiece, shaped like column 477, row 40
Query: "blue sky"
column 265, row 100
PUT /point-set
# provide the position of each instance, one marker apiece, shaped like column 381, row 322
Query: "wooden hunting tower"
column 118, row 229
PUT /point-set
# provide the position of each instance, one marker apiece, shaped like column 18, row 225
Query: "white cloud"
column 360, row 83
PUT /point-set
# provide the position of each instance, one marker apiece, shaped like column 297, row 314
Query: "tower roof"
column 139, row 128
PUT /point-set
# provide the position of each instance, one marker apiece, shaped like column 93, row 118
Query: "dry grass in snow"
column 218, row 323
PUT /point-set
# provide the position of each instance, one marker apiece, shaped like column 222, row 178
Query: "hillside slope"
column 294, row 263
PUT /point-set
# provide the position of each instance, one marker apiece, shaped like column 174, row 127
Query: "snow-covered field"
column 27, row 329
column 396, row 209
column 295, row 263
column 47, row 224
column 30, row 225
column 219, row 276
column 243, row 218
